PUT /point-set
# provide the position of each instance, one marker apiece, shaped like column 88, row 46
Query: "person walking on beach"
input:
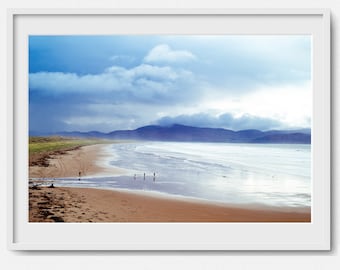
column 79, row 175
column 154, row 176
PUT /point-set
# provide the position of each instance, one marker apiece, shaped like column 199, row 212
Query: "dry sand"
column 88, row 160
column 61, row 204
column 94, row 205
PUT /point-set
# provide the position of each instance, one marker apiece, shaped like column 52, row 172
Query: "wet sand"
column 94, row 205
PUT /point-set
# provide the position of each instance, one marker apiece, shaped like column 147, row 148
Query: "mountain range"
column 182, row 133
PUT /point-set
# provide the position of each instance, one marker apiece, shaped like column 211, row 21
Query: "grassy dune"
column 41, row 148
column 43, row 144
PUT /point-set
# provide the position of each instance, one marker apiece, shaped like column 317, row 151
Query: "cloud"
column 71, row 82
column 144, row 82
column 122, row 59
column 163, row 53
column 235, row 82
column 146, row 70
column 225, row 120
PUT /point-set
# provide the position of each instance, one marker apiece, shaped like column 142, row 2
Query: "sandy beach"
column 87, row 159
column 65, row 204
column 94, row 205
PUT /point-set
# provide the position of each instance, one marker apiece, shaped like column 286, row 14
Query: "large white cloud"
column 163, row 53
column 146, row 70
column 142, row 82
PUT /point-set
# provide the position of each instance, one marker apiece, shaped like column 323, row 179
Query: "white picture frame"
column 23, row 235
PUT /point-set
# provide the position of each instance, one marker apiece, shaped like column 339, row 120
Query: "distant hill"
column 181, row 133
column 284, row 138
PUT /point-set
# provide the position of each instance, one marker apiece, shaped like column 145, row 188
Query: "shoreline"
column 72, row 204
column 154, row 194
column 62, row 204
column 88, row 160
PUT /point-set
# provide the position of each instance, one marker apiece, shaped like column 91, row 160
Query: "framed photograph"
column 169, row 129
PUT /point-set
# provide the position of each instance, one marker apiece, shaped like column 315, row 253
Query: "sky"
column 106, row 83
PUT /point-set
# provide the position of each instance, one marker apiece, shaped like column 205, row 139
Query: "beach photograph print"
column 170, row 128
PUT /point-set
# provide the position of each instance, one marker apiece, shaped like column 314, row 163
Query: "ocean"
column 251, row 174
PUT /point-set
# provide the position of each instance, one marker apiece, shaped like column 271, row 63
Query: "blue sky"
column 108, row 83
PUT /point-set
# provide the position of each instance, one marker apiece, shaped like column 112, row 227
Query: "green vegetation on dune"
column 46, row 144
column 41, row 148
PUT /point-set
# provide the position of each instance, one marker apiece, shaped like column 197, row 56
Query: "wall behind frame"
column 161, row 260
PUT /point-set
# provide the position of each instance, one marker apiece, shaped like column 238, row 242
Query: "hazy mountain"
column 183, row 133
column 284, row 138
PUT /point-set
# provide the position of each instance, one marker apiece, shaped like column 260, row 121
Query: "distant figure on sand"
column 79, row 175
column 154, row 176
